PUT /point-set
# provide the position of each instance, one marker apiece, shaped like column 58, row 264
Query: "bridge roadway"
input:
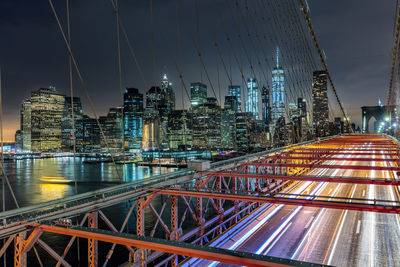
column 327, row 236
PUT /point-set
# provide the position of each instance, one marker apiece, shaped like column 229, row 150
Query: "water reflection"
column 25, row 177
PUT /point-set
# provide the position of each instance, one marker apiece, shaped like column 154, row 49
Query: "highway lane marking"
column 276, row 240
column 358, row 226
column 309, row 222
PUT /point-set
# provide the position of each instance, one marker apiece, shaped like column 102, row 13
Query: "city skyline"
column 19, row 79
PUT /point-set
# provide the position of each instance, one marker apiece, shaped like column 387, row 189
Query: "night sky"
column 356, row 37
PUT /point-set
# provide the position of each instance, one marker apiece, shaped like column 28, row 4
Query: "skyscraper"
column 320, row 103
column 47, row 110
column 133, row 118
column 26, row 125
column 198, row 94
column 67, row 140
column 168, row 95
column 266, row 107
column 112, row 128
column 253, row 98
column 228, row 122
column 235, row 90
column 278, row 92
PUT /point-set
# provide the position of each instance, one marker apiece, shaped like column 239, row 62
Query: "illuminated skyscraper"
column 266, row 107
column 235, row 90
column 47, row 112
column 167, row 95
column 253, row 98
column 320, row 103
column 278, row 92
column 198, row 94
column 26, row 125
column 133, row 118
column 67, row 141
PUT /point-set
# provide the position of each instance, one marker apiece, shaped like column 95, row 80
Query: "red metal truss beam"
column 323, row 166
column 340, row 153
column 168, row 246
column 332, row 179
column 336, row 158
column 289, row 201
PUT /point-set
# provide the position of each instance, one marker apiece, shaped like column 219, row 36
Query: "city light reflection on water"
column 25, row 177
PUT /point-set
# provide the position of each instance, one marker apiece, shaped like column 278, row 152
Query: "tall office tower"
column 151, row 130
column 243, row 131
column 26, row 126
column 253, row 98
column 304, row 119
column 47, row 111
column 198, row 94
column 87, row 135
column 133, row 118
column 266, row 107
column 213, row 123
column 179, row 135
column 67, row 141
column 18, row 141
column 228, row 122
column 320, row 103
column 278, row 92
column 112, row 128
column 235, row 90
column 167, row 105
column 168, row 95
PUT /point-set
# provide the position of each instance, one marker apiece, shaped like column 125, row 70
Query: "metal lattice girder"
column 33, row 237
column 53, row 253
column 19, row 255
column 332, row 179
column 386, row 206
column 6, row 244
column 175, row 247
column 324, row 166
column 140, row 217
column 92, row 243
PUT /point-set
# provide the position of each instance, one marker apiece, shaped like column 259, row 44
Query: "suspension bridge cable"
column 83, row 85
column 305, row 12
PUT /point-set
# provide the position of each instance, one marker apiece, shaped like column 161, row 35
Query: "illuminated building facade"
column 228, row 122
column 88, row 135
column 278, row 93
column 253, row 98
column 47, row 107
column 67, row 141
column 133, row 118
column 179, row 135
column 26, row 126
column 266, row 107
column 235, row 90
column 243, row 131
column 198, row 94
column 113, row 132
column 320, row 103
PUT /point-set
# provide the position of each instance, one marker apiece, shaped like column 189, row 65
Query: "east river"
column 27, row 180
